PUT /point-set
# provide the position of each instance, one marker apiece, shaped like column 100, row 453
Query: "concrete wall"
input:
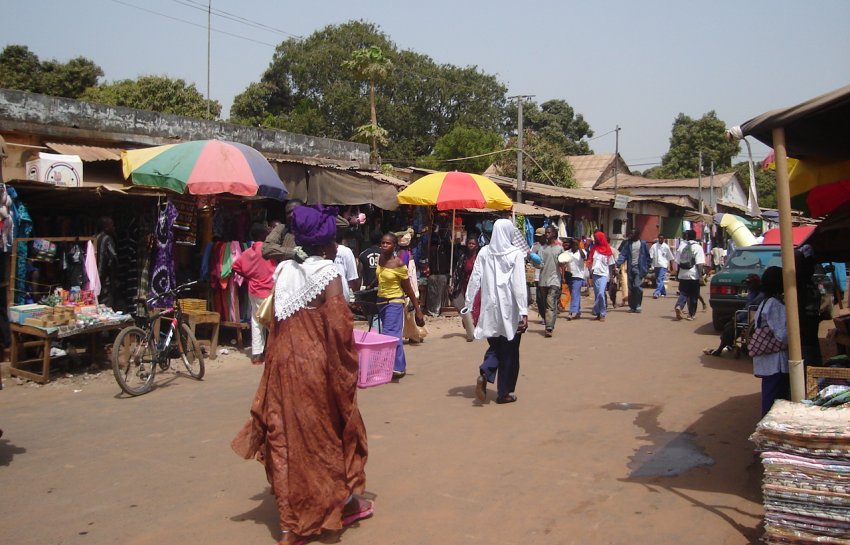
column 66, row 118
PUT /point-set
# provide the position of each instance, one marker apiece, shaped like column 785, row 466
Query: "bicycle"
column 136, row 353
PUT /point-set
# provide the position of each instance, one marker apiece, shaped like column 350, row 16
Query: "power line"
column 194, row 4
column 193, row 23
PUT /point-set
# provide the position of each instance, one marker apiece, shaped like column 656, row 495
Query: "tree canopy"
column 464, row 142
column 21, row 69
column 690, row 137
column 155, row 93
column 305, row 90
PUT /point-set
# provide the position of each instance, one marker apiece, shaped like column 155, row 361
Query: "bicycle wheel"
column 133, row 363
column 190, row 353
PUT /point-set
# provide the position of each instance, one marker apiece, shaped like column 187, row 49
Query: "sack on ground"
column 411, row 331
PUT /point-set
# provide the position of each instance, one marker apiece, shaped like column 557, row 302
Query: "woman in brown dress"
column 305, row 427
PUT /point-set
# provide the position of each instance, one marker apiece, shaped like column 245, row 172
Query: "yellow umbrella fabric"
column 453, row 190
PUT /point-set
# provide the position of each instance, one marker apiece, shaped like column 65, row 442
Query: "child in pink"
column 258, row 271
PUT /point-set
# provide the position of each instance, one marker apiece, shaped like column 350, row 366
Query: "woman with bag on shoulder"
column 768, row 345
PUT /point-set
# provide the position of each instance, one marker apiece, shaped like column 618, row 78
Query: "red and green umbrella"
column 204, row 167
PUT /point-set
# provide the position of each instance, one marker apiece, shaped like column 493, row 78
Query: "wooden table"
column 43, row 338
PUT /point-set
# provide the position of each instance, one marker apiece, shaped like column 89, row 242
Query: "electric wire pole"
column 520, row 184
column 700, row 182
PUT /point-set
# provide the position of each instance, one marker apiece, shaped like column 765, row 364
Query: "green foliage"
column 21, row 69
column 367, row 132
column 765, row 182
column 688, row 138
column 463, row 142
column 555, row 121
column 421, row 102
column 155, row 93
column 369, row 64
column 544, row 162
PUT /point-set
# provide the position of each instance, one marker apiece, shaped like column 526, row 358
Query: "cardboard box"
column 60, row 170
column 19, row 314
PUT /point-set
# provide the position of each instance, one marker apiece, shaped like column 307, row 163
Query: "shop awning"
column 86, row 153
column 526, row 210
column 340, row 187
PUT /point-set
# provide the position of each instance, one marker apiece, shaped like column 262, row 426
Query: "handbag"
column 763, row 341
column 265, row 312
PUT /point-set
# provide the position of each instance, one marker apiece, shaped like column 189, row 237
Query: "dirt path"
column 623, row 433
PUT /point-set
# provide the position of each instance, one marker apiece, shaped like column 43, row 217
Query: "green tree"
column 556, row 122
column 421, row 102
column 689, row 138
column 544, row 161
column 157, row 94
column 21, row 69
column 371, row 65
column 463, row 142
column 765, row 182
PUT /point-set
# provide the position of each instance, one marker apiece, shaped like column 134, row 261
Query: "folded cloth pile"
column 805, row 451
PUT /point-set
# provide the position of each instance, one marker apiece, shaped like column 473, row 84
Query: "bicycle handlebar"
column 173, row 291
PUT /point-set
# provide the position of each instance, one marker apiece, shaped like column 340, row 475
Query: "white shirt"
column 577, row 266
column 600, row 264
column 699, row 259
column 661, row 255
column 771, row 313
column 346, row 265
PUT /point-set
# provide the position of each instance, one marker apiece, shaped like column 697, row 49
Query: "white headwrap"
column 499, row 273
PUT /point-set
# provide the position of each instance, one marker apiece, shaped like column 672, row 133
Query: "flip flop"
column 481, row 388
column 510, row 398
column 366, row 511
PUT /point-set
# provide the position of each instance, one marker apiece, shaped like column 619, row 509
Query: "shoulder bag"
column 763, row 341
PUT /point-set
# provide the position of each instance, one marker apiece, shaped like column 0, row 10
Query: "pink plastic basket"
column 376, row 354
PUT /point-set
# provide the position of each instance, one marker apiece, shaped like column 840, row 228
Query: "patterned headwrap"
column 314, row 225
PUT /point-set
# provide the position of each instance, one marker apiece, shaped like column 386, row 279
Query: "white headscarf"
column 499, row 273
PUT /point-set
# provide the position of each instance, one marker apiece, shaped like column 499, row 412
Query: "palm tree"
column 370, row 64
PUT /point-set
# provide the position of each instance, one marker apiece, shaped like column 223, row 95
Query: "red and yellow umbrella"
column 453, row 190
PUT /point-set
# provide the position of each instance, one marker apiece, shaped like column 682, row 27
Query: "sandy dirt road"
column 623, row 433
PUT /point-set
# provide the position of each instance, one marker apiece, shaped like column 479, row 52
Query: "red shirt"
column 257, row 270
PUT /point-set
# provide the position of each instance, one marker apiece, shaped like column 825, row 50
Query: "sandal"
column 481, row 388
column 367, row 508
column 510, row 398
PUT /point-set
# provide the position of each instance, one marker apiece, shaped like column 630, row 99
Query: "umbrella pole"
column 789, row 268
column 452, row 255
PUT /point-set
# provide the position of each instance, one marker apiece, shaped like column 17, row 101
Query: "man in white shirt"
column 347, row 266
column 661, row 256
column 691, row 259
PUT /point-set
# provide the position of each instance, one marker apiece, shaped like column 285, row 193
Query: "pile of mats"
column 805, row 451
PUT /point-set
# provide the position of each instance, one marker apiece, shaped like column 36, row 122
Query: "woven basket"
column 193, row 305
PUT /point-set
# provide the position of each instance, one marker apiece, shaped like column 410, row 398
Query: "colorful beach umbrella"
column 204, row 167
column 453, row 190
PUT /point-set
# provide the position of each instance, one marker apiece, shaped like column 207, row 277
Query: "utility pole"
column 520, row 185
column 616, row 154
column 700, row 182
column 209, row 20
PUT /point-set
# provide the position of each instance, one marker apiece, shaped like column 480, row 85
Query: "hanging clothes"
column 163, row 277
column 22, row 223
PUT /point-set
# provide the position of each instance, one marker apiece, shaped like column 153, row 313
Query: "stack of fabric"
column 806, row 455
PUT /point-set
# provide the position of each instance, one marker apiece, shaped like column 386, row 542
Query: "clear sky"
column 632, row 63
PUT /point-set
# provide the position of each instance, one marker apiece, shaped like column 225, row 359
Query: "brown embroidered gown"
column 305, row 427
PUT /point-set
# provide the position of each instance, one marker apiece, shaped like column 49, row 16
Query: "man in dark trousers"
column 635, row 255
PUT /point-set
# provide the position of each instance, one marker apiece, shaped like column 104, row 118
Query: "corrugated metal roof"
column 551, row 191
column 86, row 153
column 628, row 180
column 588, row 169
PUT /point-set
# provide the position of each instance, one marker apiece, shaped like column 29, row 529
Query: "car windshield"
column 755, row 259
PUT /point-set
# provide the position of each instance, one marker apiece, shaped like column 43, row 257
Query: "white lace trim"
column 298, row 285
